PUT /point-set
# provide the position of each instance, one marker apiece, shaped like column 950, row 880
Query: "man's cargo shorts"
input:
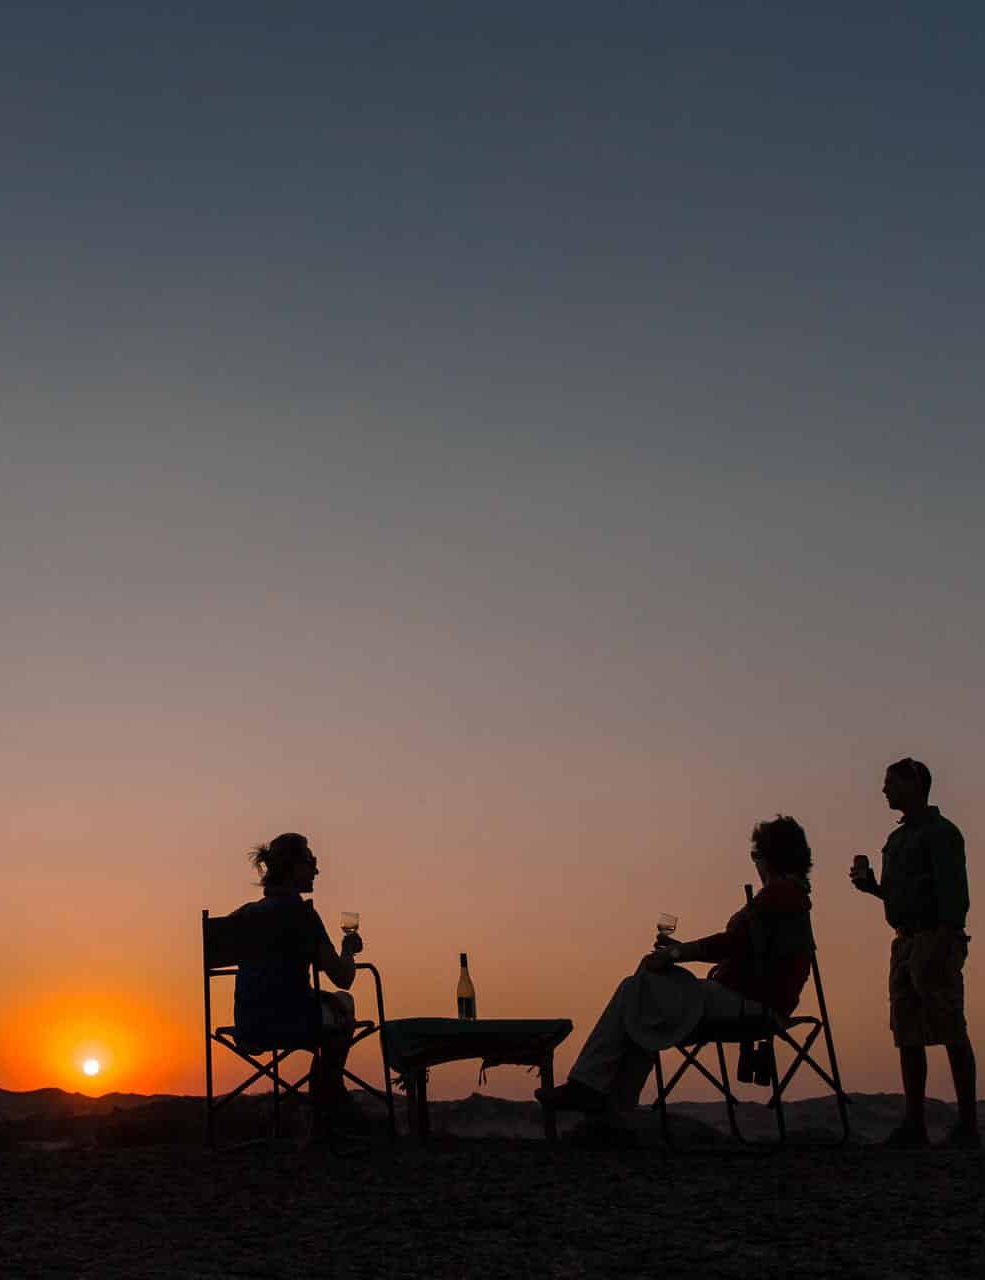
column 926, row 987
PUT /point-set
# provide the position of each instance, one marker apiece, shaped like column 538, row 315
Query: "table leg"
column 421, row 1101
column 547, row 1082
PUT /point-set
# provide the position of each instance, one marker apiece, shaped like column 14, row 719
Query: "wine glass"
column 349, row 920
column 666, row 925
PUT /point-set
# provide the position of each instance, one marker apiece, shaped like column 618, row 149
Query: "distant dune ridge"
column 54, row 1118
column 35, row 1102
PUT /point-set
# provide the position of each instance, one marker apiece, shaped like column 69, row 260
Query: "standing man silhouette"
column 924, row 890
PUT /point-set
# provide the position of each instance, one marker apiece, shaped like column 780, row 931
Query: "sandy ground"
column 491, row 1208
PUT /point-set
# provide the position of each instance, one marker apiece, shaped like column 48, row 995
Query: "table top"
column 413, row 1043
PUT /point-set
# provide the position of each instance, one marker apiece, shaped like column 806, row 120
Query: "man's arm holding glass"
column 863, row 877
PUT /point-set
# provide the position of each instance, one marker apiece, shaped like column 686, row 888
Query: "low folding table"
column 415, row 1044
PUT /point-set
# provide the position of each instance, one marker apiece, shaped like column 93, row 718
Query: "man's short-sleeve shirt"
column 924, row 874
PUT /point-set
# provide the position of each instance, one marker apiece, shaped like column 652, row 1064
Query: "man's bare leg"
column 962, row 1059
column 913, row 1068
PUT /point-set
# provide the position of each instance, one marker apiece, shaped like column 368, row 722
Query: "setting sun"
column 138, row 1046
column 91, row 1066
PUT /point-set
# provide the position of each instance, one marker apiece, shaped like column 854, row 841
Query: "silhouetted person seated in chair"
column 762, row 960
column 275, row 1005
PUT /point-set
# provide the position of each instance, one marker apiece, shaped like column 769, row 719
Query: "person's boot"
column 746, row 1069
column 573, row 1096
column 963, row 1137
column 762, row 1069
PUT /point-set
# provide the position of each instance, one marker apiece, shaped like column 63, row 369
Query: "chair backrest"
column 250, row 937
column 780, row 936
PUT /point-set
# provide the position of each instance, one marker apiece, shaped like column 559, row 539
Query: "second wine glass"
column 666, row 925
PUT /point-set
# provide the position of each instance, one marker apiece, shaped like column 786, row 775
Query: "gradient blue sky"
column 519, row 448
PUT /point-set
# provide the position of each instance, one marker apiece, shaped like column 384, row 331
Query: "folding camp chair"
column 766, row 1028
column 228, row 942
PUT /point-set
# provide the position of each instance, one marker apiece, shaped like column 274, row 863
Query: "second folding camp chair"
column 757, row 1036
column 228, row 942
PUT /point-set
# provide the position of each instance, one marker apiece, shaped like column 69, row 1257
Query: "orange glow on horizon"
column 92, row 1042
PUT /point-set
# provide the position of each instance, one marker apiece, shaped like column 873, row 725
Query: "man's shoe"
column 961, row 1138
column 907, row 1138
column 572, row 1096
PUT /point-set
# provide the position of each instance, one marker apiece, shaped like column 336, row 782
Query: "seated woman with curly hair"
column 762, row 958
column 275, row 1004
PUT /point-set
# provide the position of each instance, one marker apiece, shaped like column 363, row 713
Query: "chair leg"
column 729, row 1099
column 690, row 1056
column 830, row 1044
column 831, row 1078
column 421, row 1104
column 842, row 1100
column 661, row 1100
column 781, row 1123
column 209, row 1097
column 388, row 1088
column 209, row 1113
column 276, row 1065
column 802, row 1053
column 314, row 1092
column 839, row 1092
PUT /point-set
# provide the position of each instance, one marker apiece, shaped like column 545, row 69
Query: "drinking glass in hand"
column 666, row 925
column 349, row 921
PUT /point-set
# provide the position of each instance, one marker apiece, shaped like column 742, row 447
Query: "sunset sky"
column 520, row 447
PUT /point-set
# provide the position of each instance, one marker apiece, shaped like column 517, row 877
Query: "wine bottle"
column 466, row 991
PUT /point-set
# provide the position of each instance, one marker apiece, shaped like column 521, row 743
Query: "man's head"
column 780, row 848
column 286, row 864
column 907, row 785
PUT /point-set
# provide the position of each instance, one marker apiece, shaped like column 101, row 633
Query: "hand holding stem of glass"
column 349, row 921
column 666, row 925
